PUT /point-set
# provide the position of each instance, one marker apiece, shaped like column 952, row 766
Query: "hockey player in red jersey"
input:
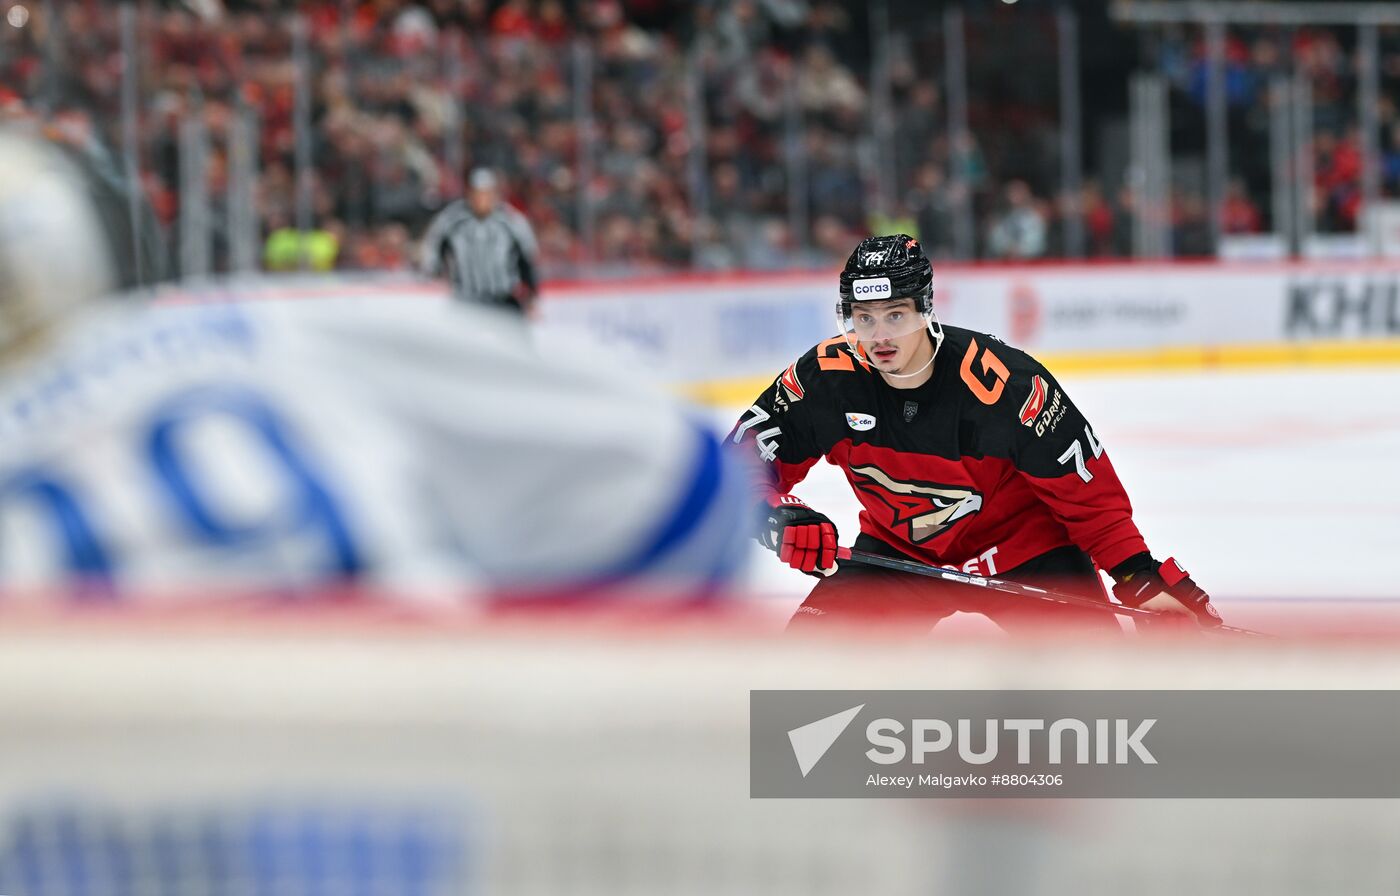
column 962, row 451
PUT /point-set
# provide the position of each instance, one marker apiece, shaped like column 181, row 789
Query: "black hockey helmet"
column 898, row 259
column 880, row 269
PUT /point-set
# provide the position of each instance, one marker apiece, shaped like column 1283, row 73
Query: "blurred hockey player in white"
column 270, row 445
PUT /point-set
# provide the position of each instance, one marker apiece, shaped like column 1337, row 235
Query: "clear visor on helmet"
column 871, row 323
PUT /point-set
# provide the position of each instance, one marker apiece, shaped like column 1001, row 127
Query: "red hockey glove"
column 1141, row 579
column 803, row 538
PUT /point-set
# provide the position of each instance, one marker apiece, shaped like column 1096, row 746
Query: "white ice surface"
column 1271, row 484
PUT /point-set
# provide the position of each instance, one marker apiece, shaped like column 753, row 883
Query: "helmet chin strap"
column 935, row 331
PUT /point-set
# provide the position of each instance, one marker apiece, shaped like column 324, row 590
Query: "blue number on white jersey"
column 308, row 506
column 83, row 554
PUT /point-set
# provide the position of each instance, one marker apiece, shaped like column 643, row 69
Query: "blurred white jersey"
column 396, row 444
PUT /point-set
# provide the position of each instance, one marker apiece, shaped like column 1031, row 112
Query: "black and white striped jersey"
column 487, row 259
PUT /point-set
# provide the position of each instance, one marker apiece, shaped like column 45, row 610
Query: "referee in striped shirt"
column 486, row 248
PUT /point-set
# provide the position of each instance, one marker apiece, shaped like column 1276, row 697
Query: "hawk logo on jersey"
column 927, row 507
column 1034, row 402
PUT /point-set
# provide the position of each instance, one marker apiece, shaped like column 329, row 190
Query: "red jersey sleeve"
column 1064, row 462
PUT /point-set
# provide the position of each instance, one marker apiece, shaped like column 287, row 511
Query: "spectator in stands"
column 832, row 238
column 1390, row 168
column 1191, row 226
column 404, row 91
column 965, row 156
column 1099, row 223
column 1240, row 214
column 1126, row 205
column 1019, row 231
column 289, row 249
column 933, row 201
column 1337, row 173
column 513, row 19
column 824, row 85
column 899, row 219
column 920, row 121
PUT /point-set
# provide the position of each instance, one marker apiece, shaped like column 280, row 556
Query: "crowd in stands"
column 1328, row 58
column 588, row 108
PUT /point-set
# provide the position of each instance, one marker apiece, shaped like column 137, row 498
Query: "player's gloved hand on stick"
column 1163, row 588
column 803, row 538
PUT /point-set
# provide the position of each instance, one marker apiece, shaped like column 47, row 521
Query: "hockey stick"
column 1028, row 591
